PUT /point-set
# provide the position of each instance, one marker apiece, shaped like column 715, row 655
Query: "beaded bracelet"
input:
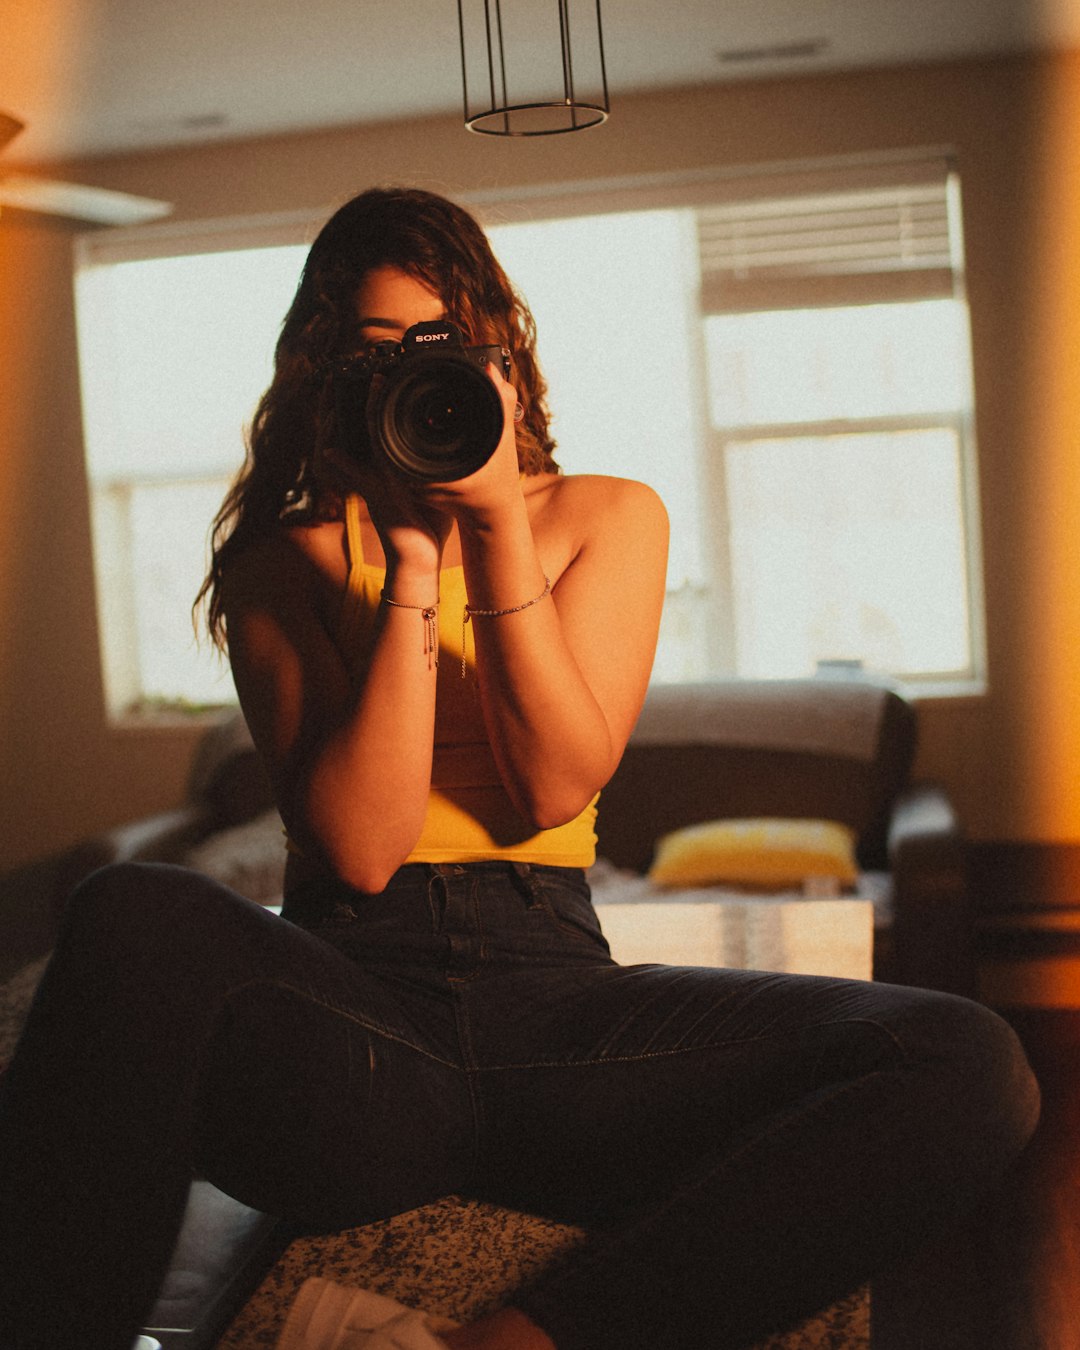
column 430, row 616
column 470, row 612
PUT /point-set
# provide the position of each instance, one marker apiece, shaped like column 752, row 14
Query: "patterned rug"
column 459, row 1259
column 15, row 997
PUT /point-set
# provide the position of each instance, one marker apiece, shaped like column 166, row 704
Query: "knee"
column 984, row 1072
column 105, row 903
column 1018, row 1088
column 130, row 910
column 116, row 898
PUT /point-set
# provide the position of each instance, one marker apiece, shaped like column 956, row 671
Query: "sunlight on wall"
column 61, row 34
column 1049, row 648
column 59, row 31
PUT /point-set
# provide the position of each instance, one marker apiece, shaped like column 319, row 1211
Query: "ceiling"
column 91, row 77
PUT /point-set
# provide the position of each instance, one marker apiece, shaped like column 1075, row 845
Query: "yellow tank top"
column 470, row 817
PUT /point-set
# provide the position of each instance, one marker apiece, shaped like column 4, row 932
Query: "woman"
column 440, row 677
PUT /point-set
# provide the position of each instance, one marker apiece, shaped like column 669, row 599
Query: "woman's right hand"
column 411, row 529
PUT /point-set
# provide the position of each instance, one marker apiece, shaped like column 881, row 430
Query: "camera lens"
column 439, row 418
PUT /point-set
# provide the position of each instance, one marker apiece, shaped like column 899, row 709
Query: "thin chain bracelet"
column 470, row 611
column 430, row 616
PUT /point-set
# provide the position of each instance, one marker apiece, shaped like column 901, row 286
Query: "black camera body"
column 426, row 403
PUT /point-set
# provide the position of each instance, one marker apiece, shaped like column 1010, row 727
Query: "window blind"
column 846, row 246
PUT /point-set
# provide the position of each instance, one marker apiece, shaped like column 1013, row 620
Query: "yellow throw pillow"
column 766, row 853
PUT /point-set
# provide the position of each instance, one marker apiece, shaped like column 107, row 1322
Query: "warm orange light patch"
column 1050, row 982
column 1034, row 981
column 49, row 52
column 1048, row 375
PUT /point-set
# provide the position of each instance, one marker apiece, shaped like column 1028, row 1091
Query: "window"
column 175, row 351
column 839, row 446
column 784, row 356
column 838, row 370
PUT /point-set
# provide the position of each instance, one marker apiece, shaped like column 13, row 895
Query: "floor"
column 1010, row 1278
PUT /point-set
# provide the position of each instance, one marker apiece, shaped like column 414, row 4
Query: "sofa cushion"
column 249, row 858
column 841, row 718
column 762, row 853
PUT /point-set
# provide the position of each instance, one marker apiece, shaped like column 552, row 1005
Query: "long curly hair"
column 427, row 237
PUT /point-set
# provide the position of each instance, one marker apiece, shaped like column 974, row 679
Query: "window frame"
column 942, row 683
column 127, row 705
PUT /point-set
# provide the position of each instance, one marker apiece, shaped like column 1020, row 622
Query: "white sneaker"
column 328, row 1316
column 146, row 1343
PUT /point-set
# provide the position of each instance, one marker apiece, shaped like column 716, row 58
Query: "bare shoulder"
column 288, row 560
column 595, row 505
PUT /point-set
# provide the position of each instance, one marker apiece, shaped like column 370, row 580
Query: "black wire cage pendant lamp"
column 532, row 73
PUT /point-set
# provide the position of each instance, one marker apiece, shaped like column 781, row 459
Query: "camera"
column 426, row 403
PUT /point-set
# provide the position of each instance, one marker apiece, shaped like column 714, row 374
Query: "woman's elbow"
column 546, row 801
column 547, row 810
column 370, row 876
column 364, row 860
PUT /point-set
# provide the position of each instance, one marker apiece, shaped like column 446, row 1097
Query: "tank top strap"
column 362, row 584
column 353, row 534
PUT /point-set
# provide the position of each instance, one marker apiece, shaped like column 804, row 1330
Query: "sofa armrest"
column 28, row 912
column 164, row 837
column 932, row 922
column 33, row 897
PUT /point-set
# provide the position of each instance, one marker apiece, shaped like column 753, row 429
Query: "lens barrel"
column 438, row 418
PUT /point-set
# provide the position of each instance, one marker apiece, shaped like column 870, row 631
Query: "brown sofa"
column 819, row 749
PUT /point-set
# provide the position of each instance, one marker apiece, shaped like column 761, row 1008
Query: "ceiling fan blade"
column 101, row 205
column 9, row 128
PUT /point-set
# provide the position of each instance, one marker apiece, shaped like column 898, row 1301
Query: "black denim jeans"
column 744, row 1147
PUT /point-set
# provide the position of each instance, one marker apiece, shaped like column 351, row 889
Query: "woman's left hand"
column 496, row 486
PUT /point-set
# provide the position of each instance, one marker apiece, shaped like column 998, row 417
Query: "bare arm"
column 348, row 750
column 562, row 681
